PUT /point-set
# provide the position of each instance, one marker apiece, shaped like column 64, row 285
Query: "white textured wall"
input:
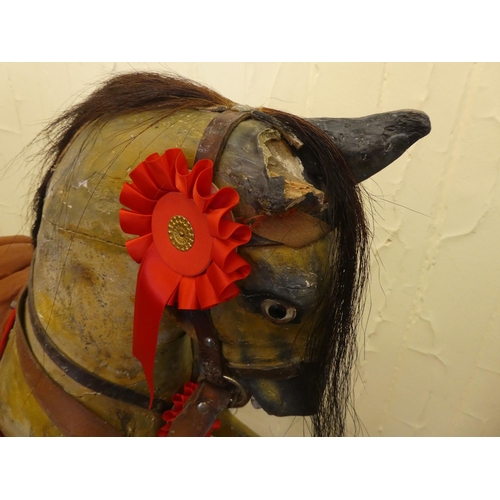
column 430, row 365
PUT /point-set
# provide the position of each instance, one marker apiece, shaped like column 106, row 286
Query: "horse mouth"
column 283, row 397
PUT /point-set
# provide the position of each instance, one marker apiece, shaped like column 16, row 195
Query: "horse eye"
column 277, row 311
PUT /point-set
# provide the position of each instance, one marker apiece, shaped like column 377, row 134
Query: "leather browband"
column 217, row 133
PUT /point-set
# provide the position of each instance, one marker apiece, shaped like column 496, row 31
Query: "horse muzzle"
column 285, row 396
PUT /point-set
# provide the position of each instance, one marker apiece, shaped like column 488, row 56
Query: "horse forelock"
column 332, row 345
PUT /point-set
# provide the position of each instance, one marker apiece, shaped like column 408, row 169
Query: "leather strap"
column 217, row 134
column 211, row 146
column 210, row 347
column 214, row 394
column 201, row 411
column 84, row 377
column 71, row 417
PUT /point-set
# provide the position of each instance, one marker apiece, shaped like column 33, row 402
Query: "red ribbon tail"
column 156, row 284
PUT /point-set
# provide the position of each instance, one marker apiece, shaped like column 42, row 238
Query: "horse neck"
column 83, row 308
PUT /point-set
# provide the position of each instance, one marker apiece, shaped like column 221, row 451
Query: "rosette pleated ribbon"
column 186, row 244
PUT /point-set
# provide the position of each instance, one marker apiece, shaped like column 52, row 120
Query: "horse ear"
column 370, row 143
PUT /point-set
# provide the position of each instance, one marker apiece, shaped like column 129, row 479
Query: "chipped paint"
column 430, row 364
column 280, row 162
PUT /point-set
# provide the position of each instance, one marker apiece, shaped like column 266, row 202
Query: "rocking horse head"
column 182, row 237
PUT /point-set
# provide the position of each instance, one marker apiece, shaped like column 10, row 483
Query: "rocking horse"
column 190, row 253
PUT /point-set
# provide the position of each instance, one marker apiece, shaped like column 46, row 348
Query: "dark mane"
column 123, row 94
column 333, row 334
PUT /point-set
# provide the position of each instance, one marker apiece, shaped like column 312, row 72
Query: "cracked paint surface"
column 429, row 360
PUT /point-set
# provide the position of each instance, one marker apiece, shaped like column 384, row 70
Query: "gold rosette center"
column 181, row 233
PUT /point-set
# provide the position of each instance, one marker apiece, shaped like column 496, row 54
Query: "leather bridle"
column 217, row 389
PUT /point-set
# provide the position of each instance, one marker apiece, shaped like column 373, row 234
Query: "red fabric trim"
column 179, row 401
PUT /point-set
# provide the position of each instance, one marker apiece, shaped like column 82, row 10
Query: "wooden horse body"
column 284, row 336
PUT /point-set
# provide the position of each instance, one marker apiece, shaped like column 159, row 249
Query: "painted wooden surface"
column 429, row 362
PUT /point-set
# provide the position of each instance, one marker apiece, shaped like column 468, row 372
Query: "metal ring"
column 244, row 395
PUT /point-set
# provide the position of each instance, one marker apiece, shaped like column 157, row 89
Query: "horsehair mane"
column 332, row 342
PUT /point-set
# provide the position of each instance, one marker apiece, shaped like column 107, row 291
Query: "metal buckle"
column 244, row 395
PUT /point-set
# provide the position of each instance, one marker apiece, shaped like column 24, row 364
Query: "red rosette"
column 186, row 243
